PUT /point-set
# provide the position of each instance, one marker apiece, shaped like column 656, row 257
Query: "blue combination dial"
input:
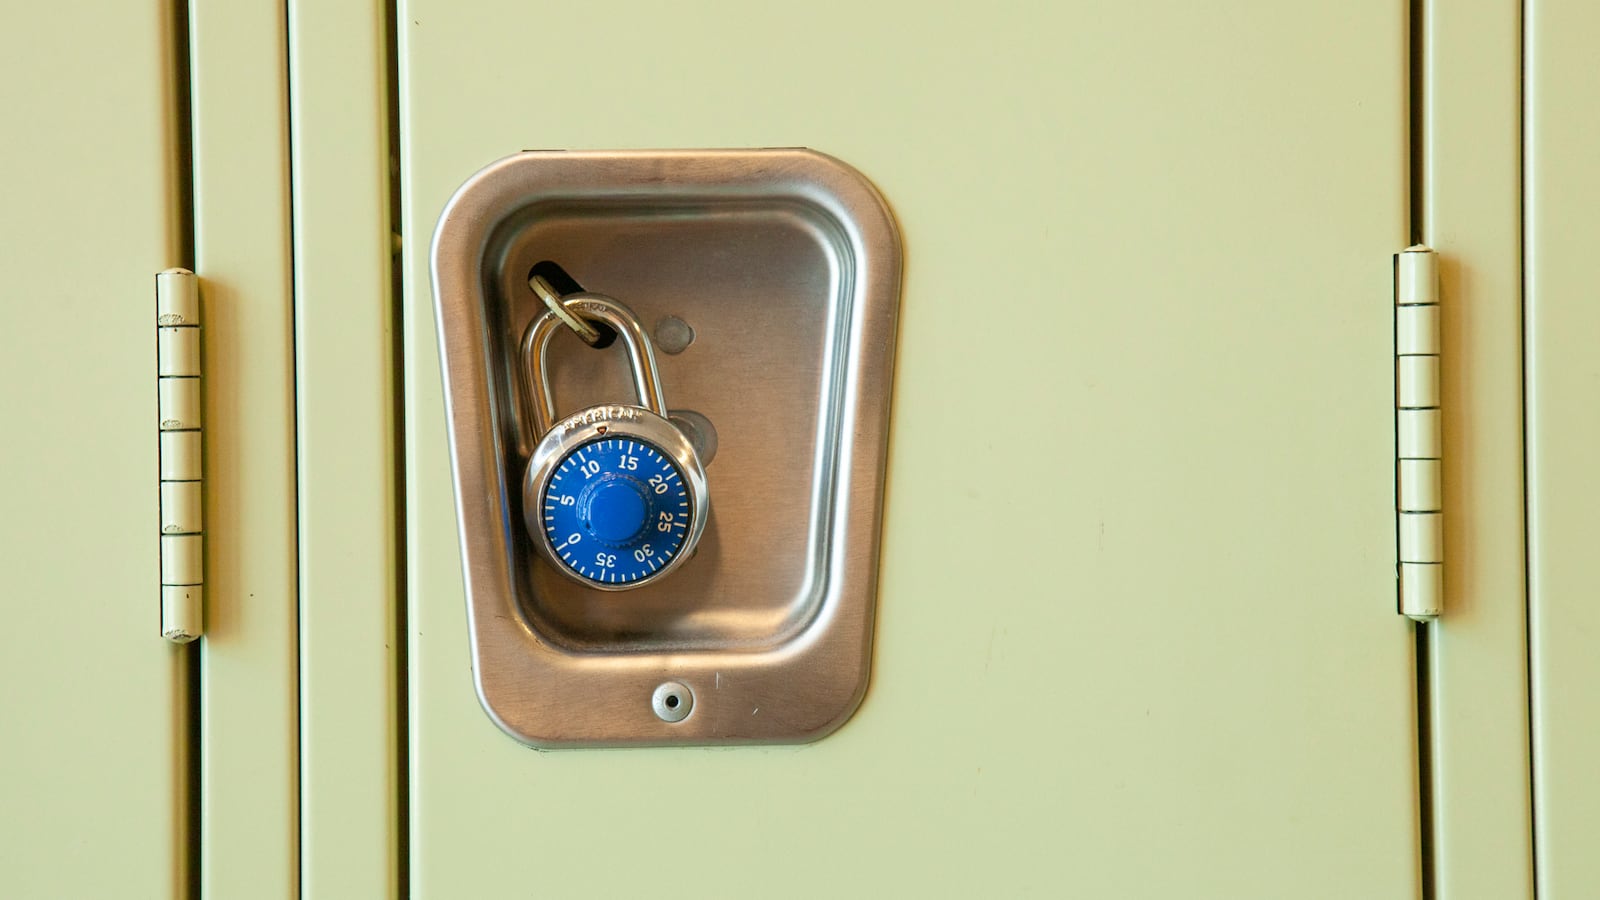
column 616, row 510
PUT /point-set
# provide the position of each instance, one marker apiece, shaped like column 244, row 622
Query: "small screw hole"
column 672, row 701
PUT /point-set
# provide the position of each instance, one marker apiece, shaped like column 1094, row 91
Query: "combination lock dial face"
column 616, row 510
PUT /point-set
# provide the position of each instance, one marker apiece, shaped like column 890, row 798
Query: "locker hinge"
column 1418, row 438
column 178, row 401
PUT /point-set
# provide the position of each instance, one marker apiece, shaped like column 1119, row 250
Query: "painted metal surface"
column 1156, row 654
column 344, row 440
column 1470, row 213
column 1563, row 370
column 248, row 717
column 93, row 786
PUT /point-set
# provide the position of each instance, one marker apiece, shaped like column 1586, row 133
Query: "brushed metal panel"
column 785, row 264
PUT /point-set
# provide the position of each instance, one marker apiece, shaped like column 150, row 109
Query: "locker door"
column 95, row 776
column 1135, row 631
column 144, row 136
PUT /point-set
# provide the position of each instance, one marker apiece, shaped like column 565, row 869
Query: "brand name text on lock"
column 596, row 415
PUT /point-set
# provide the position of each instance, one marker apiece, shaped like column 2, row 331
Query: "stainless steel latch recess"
column 768, row 280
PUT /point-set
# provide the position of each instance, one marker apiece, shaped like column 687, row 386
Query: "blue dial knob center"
column 614, row 511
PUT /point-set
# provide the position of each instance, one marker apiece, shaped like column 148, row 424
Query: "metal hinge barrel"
column 1419, row 475
column 178, row 430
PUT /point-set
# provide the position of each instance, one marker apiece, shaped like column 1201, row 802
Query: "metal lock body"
column 614, row 496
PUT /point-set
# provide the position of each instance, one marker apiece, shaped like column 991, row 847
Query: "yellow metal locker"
column 1135, row 627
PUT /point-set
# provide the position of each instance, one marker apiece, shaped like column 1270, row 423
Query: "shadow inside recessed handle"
column 564, row 284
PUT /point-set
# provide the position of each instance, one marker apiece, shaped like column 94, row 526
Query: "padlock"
column 614, row 496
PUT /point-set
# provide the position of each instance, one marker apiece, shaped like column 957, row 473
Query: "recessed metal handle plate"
column 772, row 278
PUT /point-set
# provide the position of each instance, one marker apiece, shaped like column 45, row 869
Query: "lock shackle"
column 536, row 360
